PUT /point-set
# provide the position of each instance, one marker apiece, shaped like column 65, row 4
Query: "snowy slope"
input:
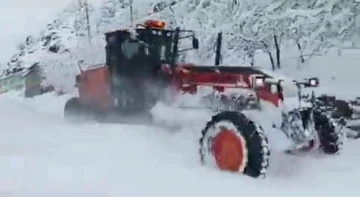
column 19, row 18
column 63, row 42
column 42, row 155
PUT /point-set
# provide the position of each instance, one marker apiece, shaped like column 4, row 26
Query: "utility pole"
column 87, row 20
column 131, row 12
column 77, row 6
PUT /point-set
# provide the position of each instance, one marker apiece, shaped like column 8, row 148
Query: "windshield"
column 130, row 48
column 151, row 48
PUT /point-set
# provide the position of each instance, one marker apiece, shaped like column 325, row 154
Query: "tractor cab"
column 134, row 60
column 141, row 53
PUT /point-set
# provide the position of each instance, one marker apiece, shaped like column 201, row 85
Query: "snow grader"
column 142, row 69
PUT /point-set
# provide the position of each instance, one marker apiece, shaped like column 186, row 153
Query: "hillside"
column 250, row 27
column 17, row 21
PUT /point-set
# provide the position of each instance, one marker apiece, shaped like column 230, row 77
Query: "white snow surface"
column 43, row 155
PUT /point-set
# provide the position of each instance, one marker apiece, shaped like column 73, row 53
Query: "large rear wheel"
column 231, row 142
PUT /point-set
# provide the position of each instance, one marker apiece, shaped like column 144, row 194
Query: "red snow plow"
column 142, row 69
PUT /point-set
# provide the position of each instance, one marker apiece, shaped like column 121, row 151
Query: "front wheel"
column 231, row 142
column 330, row 133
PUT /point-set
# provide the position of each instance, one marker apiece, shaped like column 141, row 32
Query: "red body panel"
column 186, row 81
column 266, row 95
column 93, row 87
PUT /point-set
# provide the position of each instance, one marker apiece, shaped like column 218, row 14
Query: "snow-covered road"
column 42, row 155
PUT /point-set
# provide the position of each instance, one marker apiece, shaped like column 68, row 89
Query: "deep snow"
column 42, row 155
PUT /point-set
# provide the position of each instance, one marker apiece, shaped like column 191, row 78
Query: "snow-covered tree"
column 311, row 26
column 315, row 25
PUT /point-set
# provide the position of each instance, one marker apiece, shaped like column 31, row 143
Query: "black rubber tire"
column 258, row 150
column 73, row 109
column 330, row 136
column 343, row 109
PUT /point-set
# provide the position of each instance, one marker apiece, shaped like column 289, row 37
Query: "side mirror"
column 279, row 88
column 312, row 82
column 195, row 43
column 279, row 85
column 77, row 79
